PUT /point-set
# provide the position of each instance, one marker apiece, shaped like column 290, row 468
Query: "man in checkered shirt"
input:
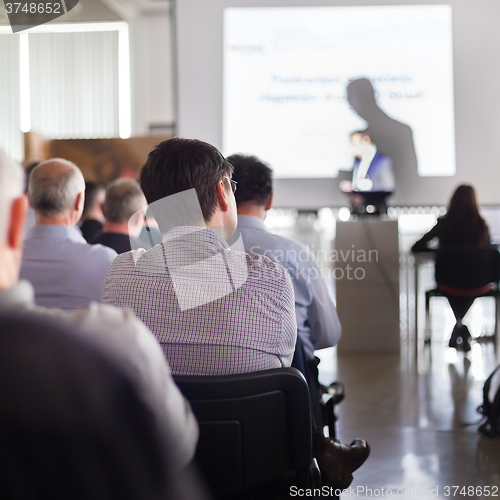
column 214, row 310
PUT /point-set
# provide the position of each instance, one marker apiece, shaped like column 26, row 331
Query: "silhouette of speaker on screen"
column 393, row 139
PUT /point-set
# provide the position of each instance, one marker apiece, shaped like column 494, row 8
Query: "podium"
column 367, row 286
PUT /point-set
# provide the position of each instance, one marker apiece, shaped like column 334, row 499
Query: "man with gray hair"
column 116, row 332
column 65, row 271
column 122, row 211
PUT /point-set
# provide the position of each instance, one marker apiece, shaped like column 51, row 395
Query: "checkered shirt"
column 249, row 327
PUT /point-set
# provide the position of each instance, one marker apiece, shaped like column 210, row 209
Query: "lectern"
column 366, row 275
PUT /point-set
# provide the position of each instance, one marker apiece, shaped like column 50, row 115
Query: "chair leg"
column 427, row 335
column 495, row 332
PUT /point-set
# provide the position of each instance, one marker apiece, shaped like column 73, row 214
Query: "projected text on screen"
column 299, row 80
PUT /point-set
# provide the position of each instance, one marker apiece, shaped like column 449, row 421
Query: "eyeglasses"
column 233, row 184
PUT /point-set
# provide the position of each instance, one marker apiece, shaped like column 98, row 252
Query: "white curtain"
column 10, row 109
column 74, row 84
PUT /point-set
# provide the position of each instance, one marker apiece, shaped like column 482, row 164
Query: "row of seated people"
column 204, row 308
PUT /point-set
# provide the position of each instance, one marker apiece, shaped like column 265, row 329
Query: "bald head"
column 54, row 187
column 11, row 187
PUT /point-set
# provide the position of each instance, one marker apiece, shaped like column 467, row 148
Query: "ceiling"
column 130, row 9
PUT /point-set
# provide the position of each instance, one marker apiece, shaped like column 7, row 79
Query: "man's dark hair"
column 254, row 178
column 92, row 191
column 177, row 165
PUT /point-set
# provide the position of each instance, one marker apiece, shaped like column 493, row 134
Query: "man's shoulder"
column 98, row 250
column 80, row 249
column 262, row 268
column 136, row 259
column 278, row 248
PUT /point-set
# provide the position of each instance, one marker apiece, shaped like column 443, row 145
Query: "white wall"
column 476, row 39
column 152, row 72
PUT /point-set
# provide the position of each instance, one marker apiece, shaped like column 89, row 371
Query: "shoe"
column 455, row 335
column 463, row 341
column 464, row 344
column 338, row 461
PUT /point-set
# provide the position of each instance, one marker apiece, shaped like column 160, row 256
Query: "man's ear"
column 79, row 201
column 136, row 220
column 222, row 196
column 269, row 202
column 18, row 211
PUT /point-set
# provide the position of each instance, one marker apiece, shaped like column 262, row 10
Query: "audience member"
column 116, row 332
column 92, row 219
column 123, row 218
column 73, row 424
column 64, row 269
column 461, row 226
column 179, row 289
column 317, row 321
column 252, row 327
column 30, row 218
column 318, row 325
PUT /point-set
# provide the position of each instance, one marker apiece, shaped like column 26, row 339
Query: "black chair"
column 463, row 275
column 255, row 430
column 323, row 399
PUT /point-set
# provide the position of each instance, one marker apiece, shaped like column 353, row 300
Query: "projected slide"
column 299, row 80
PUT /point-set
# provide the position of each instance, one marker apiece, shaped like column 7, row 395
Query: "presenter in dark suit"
column 372, row 177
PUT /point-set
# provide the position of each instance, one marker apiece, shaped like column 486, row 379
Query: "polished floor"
column 416, row 414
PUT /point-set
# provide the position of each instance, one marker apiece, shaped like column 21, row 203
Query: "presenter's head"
column 361, row 143
column 254, row 196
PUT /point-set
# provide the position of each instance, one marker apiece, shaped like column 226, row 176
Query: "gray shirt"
column 317, row 321
column 125, row 339
column 65, row 271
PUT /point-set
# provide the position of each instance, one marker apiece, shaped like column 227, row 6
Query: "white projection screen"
column 252, row 80
column 286, row 71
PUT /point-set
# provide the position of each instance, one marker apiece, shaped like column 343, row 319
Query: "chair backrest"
column 254, row 427
column 467, row 268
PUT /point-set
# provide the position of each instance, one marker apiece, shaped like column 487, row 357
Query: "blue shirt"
column 317, row 321
column 65, row 271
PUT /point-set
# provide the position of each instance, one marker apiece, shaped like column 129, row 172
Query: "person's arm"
column 286, row 345
column 487, row 236
column 421, row 245
column 384, row 178
column 325, row 328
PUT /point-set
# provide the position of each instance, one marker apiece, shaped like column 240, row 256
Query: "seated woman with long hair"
column 461, row 233
column 461, row 226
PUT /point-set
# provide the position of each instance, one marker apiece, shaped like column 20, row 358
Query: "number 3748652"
column 34, row 8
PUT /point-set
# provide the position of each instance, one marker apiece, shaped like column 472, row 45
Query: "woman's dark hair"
column 464, row 219
column 177, row 165
column 254, row 178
